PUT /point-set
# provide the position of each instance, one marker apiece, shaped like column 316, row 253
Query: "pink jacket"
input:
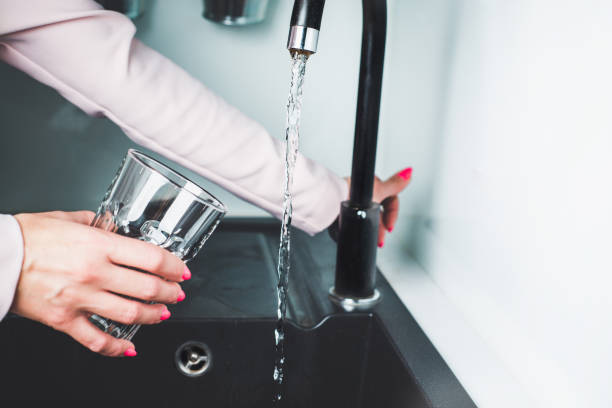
column 91, row 57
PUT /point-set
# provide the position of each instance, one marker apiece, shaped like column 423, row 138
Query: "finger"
column 381, row 233
column 390, row 212
column 393, row 185
column 124, row 310
column 141, row 285
column 81, row 217
column 95, row 340
column 148, row 257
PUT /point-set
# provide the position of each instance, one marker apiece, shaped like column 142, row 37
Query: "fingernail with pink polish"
column 165, row 315
column 380, row 244
column 130, row 353
column 181, row 296
column 390, row 229
column 186, row 273
column 406, row 173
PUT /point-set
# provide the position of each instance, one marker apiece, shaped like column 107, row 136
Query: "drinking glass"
column 150, row 202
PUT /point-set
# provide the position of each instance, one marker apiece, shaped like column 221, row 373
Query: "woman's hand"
column 385, row 193
column 71, row 270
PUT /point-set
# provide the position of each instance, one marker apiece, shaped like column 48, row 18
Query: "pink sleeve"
column 11, row 257
column 90, row 56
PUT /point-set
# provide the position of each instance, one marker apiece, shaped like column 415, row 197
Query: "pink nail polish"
column 186, row 273
column 380, row 244
column 406, row 173
column 165, row 315
column 390, row 229
column 130, row 353
column 181, row 296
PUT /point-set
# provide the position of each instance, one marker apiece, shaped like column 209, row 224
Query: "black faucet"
column 355, row 284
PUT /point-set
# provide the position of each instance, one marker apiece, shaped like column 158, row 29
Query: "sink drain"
column 193, row 359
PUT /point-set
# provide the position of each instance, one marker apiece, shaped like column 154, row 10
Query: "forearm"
column 11, row 257
column 90, row 56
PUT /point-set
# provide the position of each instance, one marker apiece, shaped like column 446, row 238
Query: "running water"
column 294, row 109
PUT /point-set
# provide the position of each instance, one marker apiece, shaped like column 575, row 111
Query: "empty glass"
column 150, row 202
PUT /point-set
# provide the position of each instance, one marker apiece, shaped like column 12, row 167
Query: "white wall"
column 519, row 225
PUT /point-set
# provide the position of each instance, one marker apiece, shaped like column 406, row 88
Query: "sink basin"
column 345, row 361
column 334, row 358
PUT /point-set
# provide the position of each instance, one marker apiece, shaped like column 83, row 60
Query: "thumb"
column 394, row 184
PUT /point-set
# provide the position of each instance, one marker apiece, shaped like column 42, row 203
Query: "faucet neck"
column 368, row 101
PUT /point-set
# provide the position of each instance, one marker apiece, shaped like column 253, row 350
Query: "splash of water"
column 294, row 111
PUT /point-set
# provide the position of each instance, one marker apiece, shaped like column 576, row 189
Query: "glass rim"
column 177, row 179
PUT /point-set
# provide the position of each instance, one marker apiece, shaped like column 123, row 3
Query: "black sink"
column 334, row 358
column 345, row 361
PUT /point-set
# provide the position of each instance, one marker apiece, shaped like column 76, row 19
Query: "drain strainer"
column 193, row 359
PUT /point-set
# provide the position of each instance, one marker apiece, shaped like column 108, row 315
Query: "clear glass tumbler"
column 150, row 202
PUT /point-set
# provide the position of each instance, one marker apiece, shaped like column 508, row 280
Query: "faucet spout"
column 305, row 25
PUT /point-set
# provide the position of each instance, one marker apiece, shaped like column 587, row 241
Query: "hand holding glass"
column 153, row 203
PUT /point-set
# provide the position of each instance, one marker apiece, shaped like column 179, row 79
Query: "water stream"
column 294, row 110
